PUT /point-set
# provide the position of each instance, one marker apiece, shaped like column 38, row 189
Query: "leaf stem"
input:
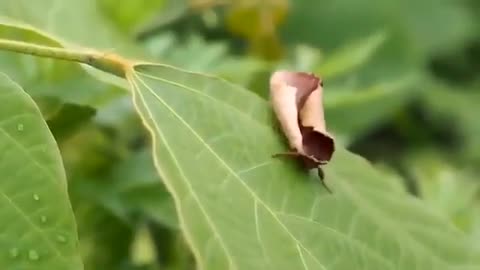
column 110, row 63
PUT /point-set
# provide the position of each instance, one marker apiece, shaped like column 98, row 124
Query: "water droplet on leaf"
column 14, row 252
column 43, row 219
column 33, row 255
column 20, row 127
column 61, row 239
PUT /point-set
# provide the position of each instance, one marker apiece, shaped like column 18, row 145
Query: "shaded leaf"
column 51, row 15
column 68, row 119
column 104, row 239
column 38, row 228
column 171, row 12
column 52, row 79
column 212, row 145
column 131, row 13
column 131, row 191
column 136, row 187
column 413, row 35
column 453, row 191
column 456, row 106
column 351, row 56
column 351, row 114
column 210, row 57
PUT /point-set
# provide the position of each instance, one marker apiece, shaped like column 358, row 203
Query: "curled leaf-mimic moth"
column 296, row 99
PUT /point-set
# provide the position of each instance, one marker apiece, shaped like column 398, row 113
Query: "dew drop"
column 14, row 253
column 43, row 219
column 61, row 238
column 36, row 197
column 20, row 127
column 33, row 255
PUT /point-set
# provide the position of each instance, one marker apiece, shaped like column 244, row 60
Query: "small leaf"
column 241, row 209
column 68, row 119
column 35, row 208
column 143, row 247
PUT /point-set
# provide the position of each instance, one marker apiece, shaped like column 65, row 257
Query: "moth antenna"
column 321, row 175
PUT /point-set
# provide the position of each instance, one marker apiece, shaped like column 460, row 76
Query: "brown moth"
column 296, row 99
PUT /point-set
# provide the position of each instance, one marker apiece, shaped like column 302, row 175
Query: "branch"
column 110, row 63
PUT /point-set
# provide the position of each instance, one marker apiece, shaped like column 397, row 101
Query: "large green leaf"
column 38, row 229
column 241, row 209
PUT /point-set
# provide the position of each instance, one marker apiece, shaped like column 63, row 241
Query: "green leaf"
column 351, row 114
column 210, row 57
column 130, row 13
column 134, row 187
column 51, row 78
column 457, row 106
column 69, row 119
column 51, row 16
column 104, row 239
column 351, row 56
column 241, row 209
column 453, row 191
column 416, row 28
column 172, row 11
column 38, row 227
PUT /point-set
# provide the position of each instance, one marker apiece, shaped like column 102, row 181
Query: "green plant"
column 170, row 168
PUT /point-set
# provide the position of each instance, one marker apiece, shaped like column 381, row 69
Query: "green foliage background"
column 402, row 83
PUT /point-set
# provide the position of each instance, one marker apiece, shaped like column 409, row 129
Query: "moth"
column 297, row 101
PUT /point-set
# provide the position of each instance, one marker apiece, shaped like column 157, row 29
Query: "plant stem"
column 110, row 63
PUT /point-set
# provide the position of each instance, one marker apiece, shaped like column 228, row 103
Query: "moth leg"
column 321, row 175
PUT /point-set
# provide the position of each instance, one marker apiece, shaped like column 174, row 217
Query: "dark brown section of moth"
column 318, row 147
